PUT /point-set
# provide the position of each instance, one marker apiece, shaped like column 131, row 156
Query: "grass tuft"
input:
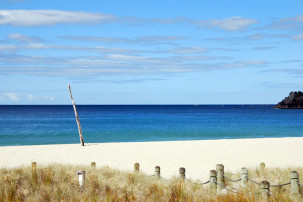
column 60, row 183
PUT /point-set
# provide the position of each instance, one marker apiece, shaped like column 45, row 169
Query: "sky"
column 150, row 51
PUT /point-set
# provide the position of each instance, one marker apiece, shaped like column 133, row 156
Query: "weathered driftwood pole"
column 294, row 179
column 265, row 190
column 182, row 173
column 212, row 181
column 93, row 164
column 157, row 171
column 220, row 175
column 77, row 118
column 244, row 175
column 81, row 177
column 136, row 167
column 262, row 168
column 34, row 173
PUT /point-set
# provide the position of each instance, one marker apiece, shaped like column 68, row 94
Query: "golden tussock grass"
column 60, row 183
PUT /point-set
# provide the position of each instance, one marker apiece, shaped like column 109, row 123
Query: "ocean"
column 55, row 124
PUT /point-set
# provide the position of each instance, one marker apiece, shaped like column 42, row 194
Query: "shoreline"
column 197, row 156
column 189, row 140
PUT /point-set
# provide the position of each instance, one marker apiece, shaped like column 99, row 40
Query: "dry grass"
column 60, row 183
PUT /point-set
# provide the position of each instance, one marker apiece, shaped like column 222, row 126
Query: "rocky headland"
column 293, row 101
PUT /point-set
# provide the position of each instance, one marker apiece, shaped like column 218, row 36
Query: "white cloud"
column 1, row 99
column 48, row 98
column 12, row 96
column 50, row 17
column 228, row 24
column 30, row 97
column 24, row 38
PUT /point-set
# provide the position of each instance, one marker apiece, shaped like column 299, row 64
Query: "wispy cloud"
column 264, row 48
column 119, row 81
column 16, row 1
column 137, row 21
column 8, row 48
column 298, row 37
column 226, row 49
column 293, row 23
column 24, row 38
column 228, row 24
column 295, row 72
column 41, row 46
column 12, row 96
column 188, row 50
column 255, row 37
column 50, row 17
column 137, row 40
column 282, row 85
column 117, row 64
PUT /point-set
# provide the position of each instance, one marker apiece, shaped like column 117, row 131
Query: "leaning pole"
column 77, row 118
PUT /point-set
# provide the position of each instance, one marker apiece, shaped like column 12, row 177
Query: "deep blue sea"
column 55, row 124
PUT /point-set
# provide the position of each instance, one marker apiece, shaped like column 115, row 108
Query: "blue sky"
column 150, row 52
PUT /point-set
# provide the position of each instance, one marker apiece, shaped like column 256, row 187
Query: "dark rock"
column 293, row 101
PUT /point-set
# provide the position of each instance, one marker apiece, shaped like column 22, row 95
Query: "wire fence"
column 231, row 179
column 253, row 181
column 218, row 178
column 224, row 187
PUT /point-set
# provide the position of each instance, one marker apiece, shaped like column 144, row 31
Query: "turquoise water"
column 55, row 124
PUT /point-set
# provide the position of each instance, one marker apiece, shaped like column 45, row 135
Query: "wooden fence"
column 217, row 179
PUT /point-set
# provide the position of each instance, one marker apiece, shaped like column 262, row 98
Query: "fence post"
column 93, row 164
column 212, row 181
column 137, row 167
column 81, row 177
column 244, row 175
column 265, row 190
column 262, row 168
column 34, row 173
column 294, row 179
column 182, row 173
column 157, row 171
column 220, row 175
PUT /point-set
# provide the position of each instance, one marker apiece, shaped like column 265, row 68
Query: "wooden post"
column 137, row 167
column 294, row 179
column 77, row 118
column 182, row 173
column 262, row 168
column 212, row 181
column 34, row 173
column 220, row 175
column 81, row 177
column 265, row 190
column 157, row 171
column 244, row 175
column 93, row 164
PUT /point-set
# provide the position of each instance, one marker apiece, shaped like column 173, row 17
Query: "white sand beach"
column 198, row 157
